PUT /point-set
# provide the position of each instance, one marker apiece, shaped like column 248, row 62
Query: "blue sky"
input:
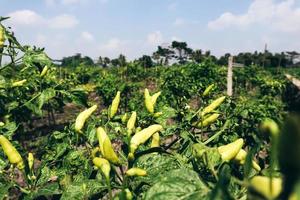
column 136, row 27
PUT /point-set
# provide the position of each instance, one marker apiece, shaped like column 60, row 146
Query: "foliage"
column 186, row 163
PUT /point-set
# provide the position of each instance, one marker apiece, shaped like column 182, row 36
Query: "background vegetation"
column 38, row 116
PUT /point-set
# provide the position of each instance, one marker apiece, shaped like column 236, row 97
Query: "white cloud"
column 179, row 22
column 155, row 38
column 87, row 36
column 112, row 44
column 288, row 18
column 283, row 16
column 30, row 18
column 63, row 21
column 25, row 17
column 114, row 47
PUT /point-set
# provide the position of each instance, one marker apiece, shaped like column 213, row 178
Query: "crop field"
column 133, row 130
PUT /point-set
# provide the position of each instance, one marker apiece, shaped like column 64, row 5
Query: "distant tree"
column 197, row 56
column 165, row 53
column 260, row 59
column 146, row 61
column 275, row 60
column 106, row 62
column 223, row 60
column 76, row 60
column 119, row 62
column 283, row 60
column 207, row 53
column 115, row 62
column 266, row 59
column 213, row 58
column 122, row 60
column 157, row 58
column 87, row 61
column 182, row 50
column 71, row 61
column 292, row 56
column 248, row 59
column 100, row 61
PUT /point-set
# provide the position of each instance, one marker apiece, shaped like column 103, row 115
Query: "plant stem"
column 109, row 188
column 217, row 134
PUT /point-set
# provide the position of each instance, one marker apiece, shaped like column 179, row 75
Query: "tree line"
column 181, row 53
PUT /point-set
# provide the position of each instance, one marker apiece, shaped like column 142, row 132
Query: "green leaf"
column 74, row 158
column 3, row 164
column 58, row 135
column 61, row 149
column 45, row 96
column 4, row 190
column 45, row 191
column 57, row 150
column 12, row 105
column 9, row 129
column 77, row 163
column 82, row 190
column 206, row 156
column 167, row 113
column 35, row 57
column 78, row 97
column 248, row 169
column 91, row 133
column 34, row 108
column 45, row 175
column 221, row 190
column 178, row 184
column 2, row 82
column 157, row 164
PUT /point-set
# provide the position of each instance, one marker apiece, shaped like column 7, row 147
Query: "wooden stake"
column 229, row 76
